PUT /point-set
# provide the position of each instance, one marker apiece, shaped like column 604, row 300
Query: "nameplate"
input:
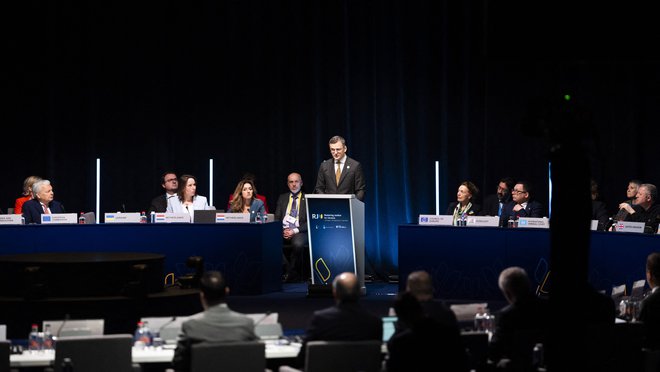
column 629, row 226
column 56, row 218
column 434, row 219
column 171, row 218
column 232, row 218
column 483, row 221
column 534, row 222
column 132, row 217
column 594, row 225
column 11, row 219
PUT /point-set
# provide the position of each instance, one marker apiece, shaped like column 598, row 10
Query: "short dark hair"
column 653, row 265
column 213, row 286
column 336, row 139
column 509, row 182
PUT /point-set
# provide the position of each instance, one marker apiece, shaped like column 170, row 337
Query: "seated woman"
column 244, row 201
column 27, row 193
column 187, row 200
column 463, row 206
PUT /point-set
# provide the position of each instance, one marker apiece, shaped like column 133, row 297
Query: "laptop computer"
column 637, row 292
column 205, row 216
column 388, row 327
column 78, row 327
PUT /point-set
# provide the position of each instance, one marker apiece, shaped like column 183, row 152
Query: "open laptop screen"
column 388, row 327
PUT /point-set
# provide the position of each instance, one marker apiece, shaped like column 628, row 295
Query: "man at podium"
column 340, row 174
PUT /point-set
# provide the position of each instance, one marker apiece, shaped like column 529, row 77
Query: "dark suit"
column 299, row 242
column 342, row 322
column 351, row 180
column 492, row 205
column 649, row 314
column 32, row 210
column 599, row 213
column 533, row 209
column 217, row 324
column 158, row 204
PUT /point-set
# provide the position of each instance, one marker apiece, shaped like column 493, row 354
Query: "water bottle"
column 510, row 222
column 153, row 217
column 463, row 221
column 257, row 217
column 265, row 218
column 142, row 337
column 22, row 220
column 34, row 341
column 143, row 217
column 48, row 343
column 479, row 320
column 81, row 219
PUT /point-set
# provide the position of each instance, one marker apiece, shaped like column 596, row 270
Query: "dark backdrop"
column 261, row 86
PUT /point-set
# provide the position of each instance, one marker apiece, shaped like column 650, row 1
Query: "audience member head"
column 653, row 269
column 514, row 283
column 338, row 147
column 213, row 288
column 43, row 191
column 243, row 195
column 346, row 288
column 631, row 191
column 28, row 183
column 419, row 283
column 521, row 192
column 408, row 309
column 504, row 188
column 187, row 188
column 595, row 191
column 294, row 182
column 467, row 192
column 169, row 182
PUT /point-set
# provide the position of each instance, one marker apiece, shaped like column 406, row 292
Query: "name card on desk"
column 534, row 222
column 483, row 221
column 594, row 225
column 122, row 217
column 171, row 218
column 59, row 218
column 434, row 219
column 11, row 219
column 629, row 226
column 232, row 218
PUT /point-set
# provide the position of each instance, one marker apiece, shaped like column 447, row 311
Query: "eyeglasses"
column 514, row 191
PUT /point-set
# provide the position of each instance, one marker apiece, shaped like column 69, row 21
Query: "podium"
column 336, row 239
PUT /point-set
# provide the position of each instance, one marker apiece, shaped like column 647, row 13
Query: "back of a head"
column 408, row 309
column 346, row 288
column 213, row 286
column 514, row 283
column 419, row 283
column 653, row 268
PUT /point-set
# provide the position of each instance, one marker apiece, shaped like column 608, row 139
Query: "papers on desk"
column 466, row 312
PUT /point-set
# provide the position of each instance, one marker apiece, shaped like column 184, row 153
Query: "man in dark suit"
column 292, row 212
column 217, row 323
column 521, row 204
column 170, row 183
column 42, row 203
column 341, row 174
column 494, row 203
column 419, row 283
column 649, row 313
column 346, row 320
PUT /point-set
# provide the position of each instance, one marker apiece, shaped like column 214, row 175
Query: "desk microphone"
column 263, row 318
column 59, row 330
column 166, row 324
column 123, row 207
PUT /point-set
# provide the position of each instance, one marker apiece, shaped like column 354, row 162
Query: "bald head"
column 294, row 182
column 419, row 283
column 346, row 288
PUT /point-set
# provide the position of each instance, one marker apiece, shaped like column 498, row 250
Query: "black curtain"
column 260, row 87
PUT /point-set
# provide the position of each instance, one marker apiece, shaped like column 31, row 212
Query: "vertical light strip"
column 98, row 189
column 549, row 189
column 437, row 187
column 211, row 182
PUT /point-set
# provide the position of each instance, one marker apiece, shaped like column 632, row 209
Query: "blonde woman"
column 27, row 193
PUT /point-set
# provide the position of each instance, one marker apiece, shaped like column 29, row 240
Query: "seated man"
column 217, row 323
column 522, row 204
column 291, row 211
column 42, row 203
column 645, row 208
column 649, row 313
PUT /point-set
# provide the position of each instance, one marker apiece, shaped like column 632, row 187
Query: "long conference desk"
column 248, row 254
column 465, row 262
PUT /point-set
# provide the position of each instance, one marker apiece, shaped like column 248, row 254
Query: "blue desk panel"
column 465, row 262
column 250, row 255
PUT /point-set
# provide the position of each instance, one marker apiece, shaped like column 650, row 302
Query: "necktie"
column 294, row 205
column 499, row 210
column 46, row 210
column 338, row 172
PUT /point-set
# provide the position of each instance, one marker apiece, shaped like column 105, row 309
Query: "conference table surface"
column 274, row 350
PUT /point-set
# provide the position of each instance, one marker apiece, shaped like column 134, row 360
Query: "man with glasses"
column 170, row 183
column 644, row 208
column 494, row 203
column 340, row 174
column 521, row 204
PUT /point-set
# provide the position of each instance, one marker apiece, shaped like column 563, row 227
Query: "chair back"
column 107, row 353
column 343, row 356
column 4, row 356
column 240, row 356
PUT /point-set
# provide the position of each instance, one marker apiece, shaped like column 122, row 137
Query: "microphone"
column 123, row 207
column 63, row 211
column 59, row 330
column 157, row 337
